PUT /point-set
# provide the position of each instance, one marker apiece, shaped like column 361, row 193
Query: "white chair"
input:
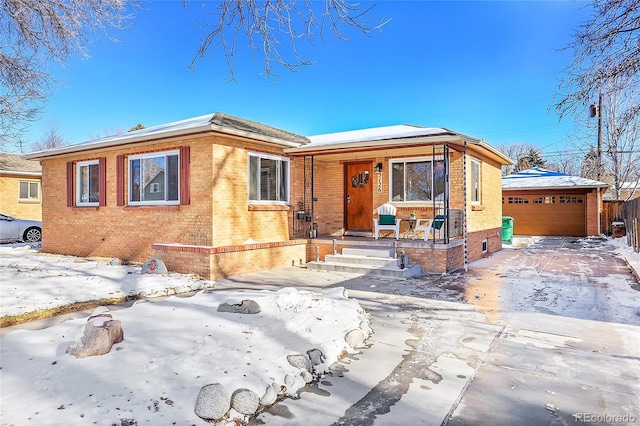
column 386, row 221
column 430, row 226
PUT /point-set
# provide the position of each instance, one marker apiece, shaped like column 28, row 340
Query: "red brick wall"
column 593, row 206
column 218, row 166
column 220, row 262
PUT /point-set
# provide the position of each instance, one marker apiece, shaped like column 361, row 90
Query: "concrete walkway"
column 545, row 335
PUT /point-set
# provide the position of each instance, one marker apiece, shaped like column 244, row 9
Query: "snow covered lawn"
column 171, row 347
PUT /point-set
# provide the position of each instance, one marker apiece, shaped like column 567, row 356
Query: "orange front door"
column 359, row 197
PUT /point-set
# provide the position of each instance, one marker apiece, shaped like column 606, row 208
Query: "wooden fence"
column 612, row 211
column 631, row 215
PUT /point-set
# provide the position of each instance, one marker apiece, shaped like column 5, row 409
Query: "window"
column 154, row 178
column 418, row 179
column 545, row 200
column 87, row 183
column 517, row 200
column 29, row 190
column 563, row 199
column 475, row 181
column 268, row 178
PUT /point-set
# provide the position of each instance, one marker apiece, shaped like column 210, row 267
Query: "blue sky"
column 485, row 69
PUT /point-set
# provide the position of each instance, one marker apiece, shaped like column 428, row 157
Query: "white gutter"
column 13, row 172
column 148, row 137
column 450, row 138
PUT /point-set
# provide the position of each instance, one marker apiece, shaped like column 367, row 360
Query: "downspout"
column 464, row 206
column 313, row 199
column 599, row 211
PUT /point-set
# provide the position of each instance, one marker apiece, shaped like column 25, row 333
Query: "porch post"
column 464, row 205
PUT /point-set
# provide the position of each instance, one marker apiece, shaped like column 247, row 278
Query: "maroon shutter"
column 70, row 184
column 102, row 181
column 185, row 162
column 120, row 180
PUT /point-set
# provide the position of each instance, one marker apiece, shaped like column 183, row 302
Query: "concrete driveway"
column 544, row 335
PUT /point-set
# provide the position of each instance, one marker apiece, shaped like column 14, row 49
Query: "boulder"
column 154, row 266
column 270, row 395
column 306, row 376
column 245, row 401
column 245, row 307
column 212, row 402
column 299, row 361
column 316, row 356
column 354, row 338
column 97, row 336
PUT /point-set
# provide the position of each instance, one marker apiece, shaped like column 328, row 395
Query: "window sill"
column 159, row 207
column 268, row 208
column 28, row 201
column 477, row 208
column 94, row 208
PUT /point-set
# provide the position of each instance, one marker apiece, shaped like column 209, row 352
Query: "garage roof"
column 539, row 178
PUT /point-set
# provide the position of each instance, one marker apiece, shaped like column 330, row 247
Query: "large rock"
column 354, row 338
column 154, row 266
column 245, row 401
column 299, row 361
column 97, row 336
column 316, row 356
column 245, row 307
column 270, row 395
column 213, row 402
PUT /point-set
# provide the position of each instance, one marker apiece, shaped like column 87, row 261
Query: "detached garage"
column 543, row 202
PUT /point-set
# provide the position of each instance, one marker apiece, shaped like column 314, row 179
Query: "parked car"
column 14, row 229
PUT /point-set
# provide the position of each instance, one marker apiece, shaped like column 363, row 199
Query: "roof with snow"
column 14, row 164
column 402, row 131
column 397, row 136
column 539, row 178
column 218, row 122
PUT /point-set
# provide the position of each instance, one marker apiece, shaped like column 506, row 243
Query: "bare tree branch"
column 274, row 29
column 33, row 34
column 606, row 48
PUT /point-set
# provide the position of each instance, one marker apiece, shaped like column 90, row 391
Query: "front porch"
column 431, row 256
column 226, row 261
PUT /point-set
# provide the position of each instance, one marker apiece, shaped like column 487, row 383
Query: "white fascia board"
column 16, row 172
column 151, row 136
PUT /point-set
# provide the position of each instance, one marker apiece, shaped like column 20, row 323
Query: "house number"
column 379, row 183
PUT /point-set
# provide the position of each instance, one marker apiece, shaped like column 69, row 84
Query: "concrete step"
column 374, row 270
column 361, row 260
column 369, row 252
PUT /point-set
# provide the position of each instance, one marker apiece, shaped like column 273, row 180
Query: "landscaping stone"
column 270, row 395
column 354, row 338
column 245, row 401
column 307, row 377
column 299, row 361
column 212, row 402
column 154, row 266
column 97, row 336
column 245, row 307
column 316, row 356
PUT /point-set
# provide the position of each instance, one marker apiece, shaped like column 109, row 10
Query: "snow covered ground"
column 174, row 346
column 171, row 348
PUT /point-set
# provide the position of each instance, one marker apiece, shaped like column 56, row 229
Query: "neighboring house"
column 543, row 202
column 230, row 196
column 628, row 191
column 20, row 191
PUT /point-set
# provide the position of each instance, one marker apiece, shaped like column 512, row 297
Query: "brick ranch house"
column 219, row 196
column 20, row 194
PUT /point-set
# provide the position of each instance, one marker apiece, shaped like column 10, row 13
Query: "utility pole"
column 596, row 110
